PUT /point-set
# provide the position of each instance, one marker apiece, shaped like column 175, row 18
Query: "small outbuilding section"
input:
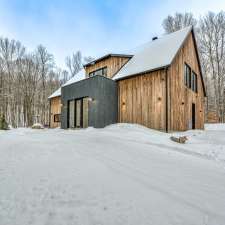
column 91, row 102
column 55, row 109
column 55, row 101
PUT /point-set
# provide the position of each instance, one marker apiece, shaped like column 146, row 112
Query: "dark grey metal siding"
column 103, row 110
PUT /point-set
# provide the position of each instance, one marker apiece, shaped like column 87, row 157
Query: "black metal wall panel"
column 104, row 107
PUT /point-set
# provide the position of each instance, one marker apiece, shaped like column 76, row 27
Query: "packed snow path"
column 122, row 174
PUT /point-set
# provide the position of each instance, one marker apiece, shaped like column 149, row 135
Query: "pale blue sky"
column 94, row 27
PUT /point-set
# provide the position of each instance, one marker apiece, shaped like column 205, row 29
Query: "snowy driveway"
column 122, row 174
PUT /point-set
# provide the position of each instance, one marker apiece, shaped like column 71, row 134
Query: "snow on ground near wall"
column 123, row 174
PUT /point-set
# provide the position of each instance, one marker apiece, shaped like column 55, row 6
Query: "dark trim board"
column 199, row 63
column 142, row 73
column 81, row 113
column 107, row 56
column 68, row 114
column 49, row 116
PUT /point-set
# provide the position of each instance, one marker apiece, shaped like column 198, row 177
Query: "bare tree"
column 74, row 63
column 45, row 63
column 28, row 75
column 178, row 21
column 10, row 52
column 88, row 59
column 64, row 76
column 212, row 47
column 26, row 79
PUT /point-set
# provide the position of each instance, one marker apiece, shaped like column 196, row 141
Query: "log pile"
column 180, row 140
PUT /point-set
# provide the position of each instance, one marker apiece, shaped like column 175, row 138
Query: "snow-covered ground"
column 123, row 174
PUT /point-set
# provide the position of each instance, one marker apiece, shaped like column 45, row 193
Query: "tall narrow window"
column 194, row 83
column 187, row 75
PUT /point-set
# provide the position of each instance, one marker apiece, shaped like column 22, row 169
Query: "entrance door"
column 79, row 113
column 193, row 116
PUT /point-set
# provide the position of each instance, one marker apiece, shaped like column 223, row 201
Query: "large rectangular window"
column 194, row 83
column 100, row 72
column 78, row 113
column 187, row 75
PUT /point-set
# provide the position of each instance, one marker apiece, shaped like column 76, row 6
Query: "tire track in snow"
column 142, row 178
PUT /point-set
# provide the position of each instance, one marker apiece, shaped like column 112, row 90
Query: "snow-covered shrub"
column 37, row 126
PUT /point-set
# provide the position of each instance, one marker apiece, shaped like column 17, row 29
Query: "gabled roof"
column 154, row 54
column 107, row 56
column 151, row 56
column 79, row 76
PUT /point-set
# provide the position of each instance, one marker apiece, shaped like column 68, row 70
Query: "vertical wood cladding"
column 113, row 64
column 55, row 104
column 142, row 100
column 182, row 97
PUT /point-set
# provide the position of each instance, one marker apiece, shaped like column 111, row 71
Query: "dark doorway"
column 193, row 116
column 78, row 113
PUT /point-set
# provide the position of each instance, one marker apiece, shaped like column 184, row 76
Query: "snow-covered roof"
column 55, row 94
column 154, row 54
column 79, row 76
column 107, row 56
column 150, row 56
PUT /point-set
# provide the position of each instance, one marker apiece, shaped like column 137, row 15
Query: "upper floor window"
column 190, row 78
column 187, row 75
column 194, row 83
column 100, row 72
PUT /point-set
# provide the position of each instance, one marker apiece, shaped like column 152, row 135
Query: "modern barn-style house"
column 159, row 85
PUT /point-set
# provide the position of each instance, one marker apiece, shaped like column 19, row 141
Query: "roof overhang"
column 199, row 63
column 107, row 56
column 55, row 94
column 198, row 58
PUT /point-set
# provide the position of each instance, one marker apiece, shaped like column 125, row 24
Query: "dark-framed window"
column 57, row 118
column 194, row 82
column 100, row 72
column 187, row 75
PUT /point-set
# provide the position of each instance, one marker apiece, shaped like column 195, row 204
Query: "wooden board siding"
column 181, row 97
column 113, row 64
column 55, row 108
column 142, row 100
